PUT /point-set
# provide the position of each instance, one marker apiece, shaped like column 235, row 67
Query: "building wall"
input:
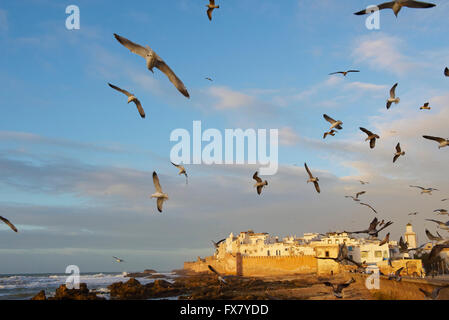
column 266, row 266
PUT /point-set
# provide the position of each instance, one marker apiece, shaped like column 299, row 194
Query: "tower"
column 410, row 236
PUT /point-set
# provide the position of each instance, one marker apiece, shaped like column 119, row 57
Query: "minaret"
column 410, row 236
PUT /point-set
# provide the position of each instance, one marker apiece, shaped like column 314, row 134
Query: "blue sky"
column 76, row 161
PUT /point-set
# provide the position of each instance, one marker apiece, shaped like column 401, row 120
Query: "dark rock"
column 83, row 293
column 134, row 290
column 40, row 296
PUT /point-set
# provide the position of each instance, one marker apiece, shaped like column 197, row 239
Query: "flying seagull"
column 217, row 244
column 441, row 225
column 343, row 72
column 159, row 195
column 356, row 198
column 371, row 137
column 433, row 237
column 446, row 72
column 372, row 230
column 131, row 98
column 397, row 275
column 211, row 7
column 397, row 5
column 363, row 182
column 118, row 259
column 334, row 124
column 425, row 190
column 425, row 107
column 398, row 153
column 259, row 183
column 441, row 211
column 367, row 205
column 403, row 246
column 436, row 250
column 153, row 60
column 220, row 277
column 435, row 292
column 312, row 179
column 443, row 142
column 210, row 79
column 445, row 199
column 338, row 288
column 413, row 214
column 182, row 170
column 393, row 97
column 332, row 133
column 13, row 227
column 343, row 255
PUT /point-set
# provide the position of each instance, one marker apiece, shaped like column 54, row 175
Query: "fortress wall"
column 269, row 266
column 226, row 265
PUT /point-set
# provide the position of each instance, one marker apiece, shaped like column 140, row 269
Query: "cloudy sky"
column 76, row 161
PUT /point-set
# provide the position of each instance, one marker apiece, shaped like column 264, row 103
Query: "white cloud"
column 288, row 137
column 229, row 99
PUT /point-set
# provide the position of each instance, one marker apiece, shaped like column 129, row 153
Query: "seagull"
column 445, row 199
column 131, row 98
column 334, row 124
column 386, row 240
column 425, row 107
column 403, row 247
column 118, row 259
column 217, row 244
column 434, row 294
column 207, row 78
column 338, row 288
column 13, row 227
column 397, row 275
column 367, row 205
column 393, row 97
column 446, row 72
column 371, row 137
column 398, row 153
column 343, row 72
column 372, row 231
column 441, row 225
column 153, row 60
column 356, row 198
column 160, row 195
column 312, row 178
column 260, row 184
column 363, row 182
column 441, row 211
column 332, row 133
column 436, row 250
column 182, row 170
column 431, row 237
column 443, row 142
column 343, row 254
column 397, row 5
column 211, row 7
column 425, row 190
column 220, row 277
column 413, row 213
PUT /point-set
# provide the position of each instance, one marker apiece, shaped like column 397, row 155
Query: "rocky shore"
column 205, row 286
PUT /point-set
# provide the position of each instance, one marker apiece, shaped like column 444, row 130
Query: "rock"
column 83, row 293
column 40, row 296
column 134, row 290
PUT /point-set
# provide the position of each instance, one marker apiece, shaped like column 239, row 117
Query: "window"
column 385, row 254
column 337, row 241
column 378, row 254
column 329, row 241
column 327, row 254
column 364, row 254
column 268, row 252
column 350, row 248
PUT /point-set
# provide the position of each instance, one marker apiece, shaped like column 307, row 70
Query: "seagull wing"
column 133, row 47
column 13, row 227
column 387, row 5
column 120, row 90
column 369, row 133
column 385, row 240
column 395, row 158
column 308, row 171
column 139, row 107
column 329, row 119
column 365, row 204
column 446, row 72
column 160, row 202
column 336, row 73
column 209, row 13
column 317, row 186
column 372, row 143
column 256, row 177
column 161, row 65
column 360, row 193
column 438, row 139
column 398, row 148
column 156, row 183
column 418, row 4
column 353, row 71
column 417, row 187
column 393, row 91
column 213, row 270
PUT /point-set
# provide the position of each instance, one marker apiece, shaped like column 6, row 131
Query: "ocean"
column 26, row 286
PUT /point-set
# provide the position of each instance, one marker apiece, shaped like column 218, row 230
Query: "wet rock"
column 62, row 293
column 134, row 290
column 40, row 296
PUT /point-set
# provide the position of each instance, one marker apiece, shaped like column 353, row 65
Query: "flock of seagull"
column 153, row 60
